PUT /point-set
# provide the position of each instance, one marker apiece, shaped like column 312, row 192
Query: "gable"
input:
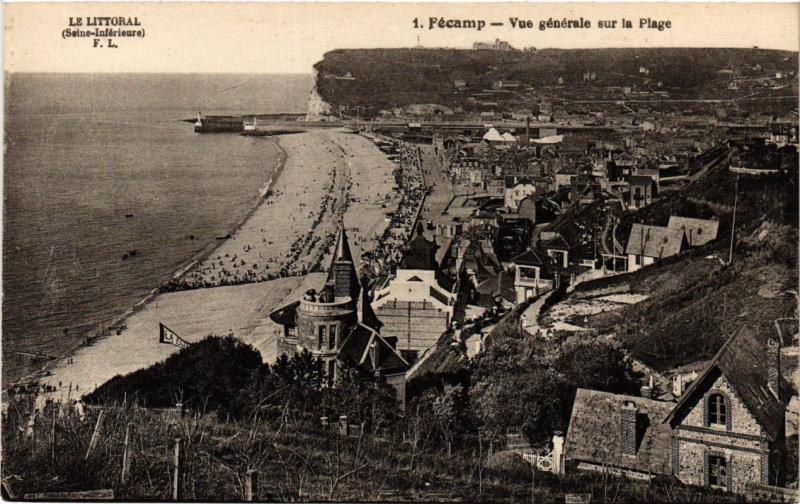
column 691, row 412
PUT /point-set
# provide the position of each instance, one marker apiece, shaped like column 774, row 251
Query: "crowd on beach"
column 309, row 250
column 412, row 189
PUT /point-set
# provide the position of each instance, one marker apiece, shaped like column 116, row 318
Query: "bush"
column 509, row 466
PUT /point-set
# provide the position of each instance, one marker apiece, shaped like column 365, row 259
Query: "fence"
column 766, row 493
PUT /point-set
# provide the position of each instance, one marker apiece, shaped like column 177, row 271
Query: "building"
column 533, row 275
column 516, row 190
column 557, row 247
column 366, row 348
column 642, row 190
column 698, row 231
column 728, row 427
column 620, row 434
column 323, row 321
column 497, row 45
column 648, row 243
column 726, row 432
column 418, row 304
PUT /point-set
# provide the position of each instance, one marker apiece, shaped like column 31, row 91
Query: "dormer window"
column 717, row 410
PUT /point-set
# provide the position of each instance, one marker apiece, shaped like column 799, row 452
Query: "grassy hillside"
column 695, row 302
column 383, row 78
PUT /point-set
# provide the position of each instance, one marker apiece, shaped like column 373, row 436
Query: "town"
column 574, row 287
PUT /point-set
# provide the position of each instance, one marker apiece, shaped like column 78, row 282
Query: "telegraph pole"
column 733, row 225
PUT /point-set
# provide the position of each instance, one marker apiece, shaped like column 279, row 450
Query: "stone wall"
column 741, row 442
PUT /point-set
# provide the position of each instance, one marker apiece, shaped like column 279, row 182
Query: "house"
column 418, row 304
column 527, row 207
column 642, row 189
column 565, row 176
column 496, row 290
column 366, row 348
column 460, row 84
column 698, row 231
column 647, row 243
column 728, row 427
column 556, row 247
column 532, row 276
column 324, row 320
column 516, row 190
column 619, row 434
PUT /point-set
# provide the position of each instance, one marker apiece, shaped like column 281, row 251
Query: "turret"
column 343, row 271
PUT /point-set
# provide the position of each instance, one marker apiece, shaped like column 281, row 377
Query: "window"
column 321, row 337
column 332, row 337
column 717, row 411
column 331, row 370
column 638, row 260
column 717, row 471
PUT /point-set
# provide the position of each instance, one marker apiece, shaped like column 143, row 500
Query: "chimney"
column 628, row 427
column 774, row 365
column 528, row 129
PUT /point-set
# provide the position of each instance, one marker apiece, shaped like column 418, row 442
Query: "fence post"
column 177, row 472
column 558, row 453
column 126, row 457
column 53, row 438
column 95, row 434
column 251, row 485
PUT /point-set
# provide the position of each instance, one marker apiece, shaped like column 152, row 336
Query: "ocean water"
column 84, row 151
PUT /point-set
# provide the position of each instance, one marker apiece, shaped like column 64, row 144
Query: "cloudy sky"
column 289, row 38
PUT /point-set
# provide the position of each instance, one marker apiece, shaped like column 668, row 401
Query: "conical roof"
column 342, row 251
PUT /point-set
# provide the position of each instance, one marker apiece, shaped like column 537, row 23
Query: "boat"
column 224, row 237
column 128, row 215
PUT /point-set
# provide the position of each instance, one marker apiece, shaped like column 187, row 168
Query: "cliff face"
column 386, row 78
column 318, row 109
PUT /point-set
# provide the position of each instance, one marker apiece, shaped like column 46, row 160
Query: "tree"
column 450, row 410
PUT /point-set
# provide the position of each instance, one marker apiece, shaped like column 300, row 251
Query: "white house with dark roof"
column 647, row 244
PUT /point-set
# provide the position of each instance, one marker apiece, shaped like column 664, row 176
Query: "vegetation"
column 386, row 78
column 696, row 300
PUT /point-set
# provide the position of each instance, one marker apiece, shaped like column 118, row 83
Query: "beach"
column 266, row 262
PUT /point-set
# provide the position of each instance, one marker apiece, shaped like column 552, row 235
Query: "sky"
column 290, row 38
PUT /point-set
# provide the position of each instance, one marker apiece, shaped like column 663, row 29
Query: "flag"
column 168, row 336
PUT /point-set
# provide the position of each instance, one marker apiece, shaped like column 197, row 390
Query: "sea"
column 100, row 167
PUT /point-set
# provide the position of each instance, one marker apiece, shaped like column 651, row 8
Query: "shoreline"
column 310, row 166
column 194, row 260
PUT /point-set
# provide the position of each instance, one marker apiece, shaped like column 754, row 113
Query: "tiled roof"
column 741, row 360
column 654, row 241
column 558, row 243
column 420, row 254
column 530, row 258
column 499, row 285
column 595, row 433
column 285, row 315
column 698, row 231
column 356, row 348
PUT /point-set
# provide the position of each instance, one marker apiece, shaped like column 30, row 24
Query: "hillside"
column 694, row 301
column 386, row 78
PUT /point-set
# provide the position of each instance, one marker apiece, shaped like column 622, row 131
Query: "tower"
column 342, row 272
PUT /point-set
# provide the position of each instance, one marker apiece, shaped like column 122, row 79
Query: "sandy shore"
column 326, row 173
column 292, row 230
